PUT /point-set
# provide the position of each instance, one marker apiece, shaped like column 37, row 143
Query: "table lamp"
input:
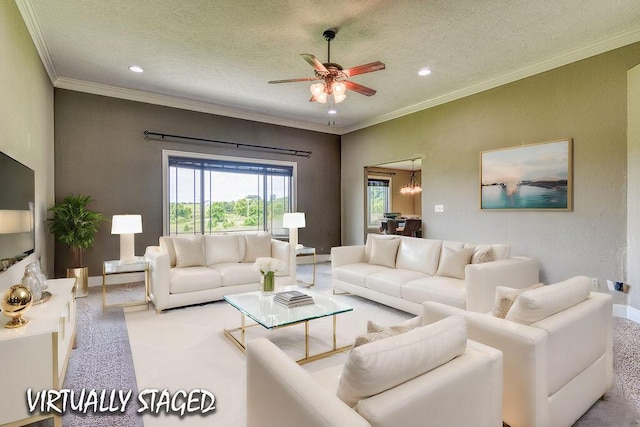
column 293, row 221
column 126, row 226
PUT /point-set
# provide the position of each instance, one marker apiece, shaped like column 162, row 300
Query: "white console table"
column 36, row 355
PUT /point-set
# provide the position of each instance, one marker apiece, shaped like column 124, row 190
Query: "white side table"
column 139, row 265
column 308, row 251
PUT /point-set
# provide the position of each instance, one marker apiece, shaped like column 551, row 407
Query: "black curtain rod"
column 286, row 151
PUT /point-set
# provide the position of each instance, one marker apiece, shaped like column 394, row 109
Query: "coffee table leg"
column 334, row 332
column 242, row 328
column 306, row 339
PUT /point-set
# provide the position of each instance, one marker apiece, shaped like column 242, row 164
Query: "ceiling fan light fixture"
column 339, row 88
column 316, row 89
column 321, row 97
column 339, row 97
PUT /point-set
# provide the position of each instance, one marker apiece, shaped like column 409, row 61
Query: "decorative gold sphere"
column 15, row 302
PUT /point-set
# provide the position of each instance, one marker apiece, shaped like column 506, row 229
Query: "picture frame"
column 528, row 177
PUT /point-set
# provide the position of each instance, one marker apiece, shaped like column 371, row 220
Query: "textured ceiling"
column 218, row 56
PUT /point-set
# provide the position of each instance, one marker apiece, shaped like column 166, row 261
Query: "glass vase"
column 268, row 282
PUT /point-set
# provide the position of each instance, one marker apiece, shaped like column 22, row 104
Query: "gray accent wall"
column 100, row 150
column 585, row 100
column 26, row 123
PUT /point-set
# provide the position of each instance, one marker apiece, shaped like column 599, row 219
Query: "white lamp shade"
column 126, row 224
column 293, row 220
column 15, row 221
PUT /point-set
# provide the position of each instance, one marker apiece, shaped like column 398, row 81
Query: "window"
column 210, row 194
column 378, row 199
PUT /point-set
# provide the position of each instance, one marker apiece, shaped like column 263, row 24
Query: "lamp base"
column 127, row 247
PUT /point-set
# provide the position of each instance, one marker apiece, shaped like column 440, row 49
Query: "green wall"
column 26, row 121
column 585, row 100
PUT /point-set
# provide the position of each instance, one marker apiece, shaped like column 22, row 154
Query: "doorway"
column 386, row 194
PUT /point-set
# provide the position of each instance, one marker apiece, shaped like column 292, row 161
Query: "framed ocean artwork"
column 528, row 177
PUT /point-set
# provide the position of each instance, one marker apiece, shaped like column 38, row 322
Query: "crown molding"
column 616, row 41
column 33, row 26
column 186, row 104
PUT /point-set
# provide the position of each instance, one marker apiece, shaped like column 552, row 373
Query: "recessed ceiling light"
column 424, row 72
column 136, row 69
column 333, row 112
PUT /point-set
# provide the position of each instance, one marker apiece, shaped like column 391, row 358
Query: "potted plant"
column 76, row 226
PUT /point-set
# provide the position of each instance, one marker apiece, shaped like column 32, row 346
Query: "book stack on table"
column 293, row 298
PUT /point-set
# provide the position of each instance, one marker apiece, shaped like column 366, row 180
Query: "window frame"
column 166, row 154
column 389, row 199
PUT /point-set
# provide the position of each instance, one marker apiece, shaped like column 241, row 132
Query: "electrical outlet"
column 439, row 208
column 594, row 284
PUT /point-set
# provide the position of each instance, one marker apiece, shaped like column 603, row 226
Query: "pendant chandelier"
column 413, row 186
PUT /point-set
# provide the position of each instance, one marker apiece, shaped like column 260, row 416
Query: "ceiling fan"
column 334, row 79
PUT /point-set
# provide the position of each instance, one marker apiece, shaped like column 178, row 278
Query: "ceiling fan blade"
column 314, row 62
column 366, row 68
column 304, row 79
column 359, row 88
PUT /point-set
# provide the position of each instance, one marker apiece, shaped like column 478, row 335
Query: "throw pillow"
column 505, row 297
column 222, row 248
column 453, row 262
column 376, row 332
column 482, row 255
column 189, row 252
column 257, row 246
column 166, row 245
column 384, row 364
column 537, row 304
column 384, row 251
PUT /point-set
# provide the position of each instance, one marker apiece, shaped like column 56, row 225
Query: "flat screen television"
column 17, row 205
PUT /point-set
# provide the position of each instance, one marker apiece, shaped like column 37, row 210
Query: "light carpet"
column 185, row 349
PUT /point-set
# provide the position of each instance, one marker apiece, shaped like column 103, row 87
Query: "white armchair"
column 464, row 386
column 557, row 365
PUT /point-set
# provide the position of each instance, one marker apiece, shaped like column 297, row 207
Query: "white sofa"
column 557, row 346
column 199, row 269
column 416, row 270
column 458, row 383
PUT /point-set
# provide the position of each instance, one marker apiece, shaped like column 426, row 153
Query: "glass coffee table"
column 265, row 312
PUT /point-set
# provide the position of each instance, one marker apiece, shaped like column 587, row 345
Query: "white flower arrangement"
column 268, row 265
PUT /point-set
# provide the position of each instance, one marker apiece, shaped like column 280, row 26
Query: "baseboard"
column 633, row 314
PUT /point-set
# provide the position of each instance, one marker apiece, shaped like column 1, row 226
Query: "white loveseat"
column 431, row 375
column 557, row 346
column 199, row 269
column 403, row 272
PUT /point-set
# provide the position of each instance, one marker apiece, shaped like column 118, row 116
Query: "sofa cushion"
column 190, row 279
column 482, row 254
column 166, row 246
column 445, row 290
column 505, row 297
column 501, row 251
column 419, row 255
column 384, row 251
column 356, row 274
column 381, row 365
column 237, row 273
column 189, row 252
column 376, row 331
column 390, row 281
column 453, row 262
column 256, row 246
column 537, row 304
column 370, row 238
column 222, row 248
